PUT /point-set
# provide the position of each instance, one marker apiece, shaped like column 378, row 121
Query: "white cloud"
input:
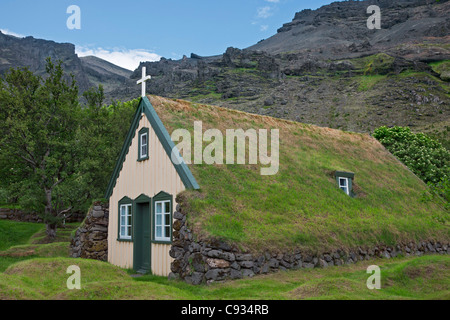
column 273, row 1
column 264, row 27
column 11, row 33
column 125, row 58
column 264, row 12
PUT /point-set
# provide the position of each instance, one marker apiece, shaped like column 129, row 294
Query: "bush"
column 424, row 156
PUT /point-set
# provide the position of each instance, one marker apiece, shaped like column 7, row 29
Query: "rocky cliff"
column 327, row 68
column 88, row 71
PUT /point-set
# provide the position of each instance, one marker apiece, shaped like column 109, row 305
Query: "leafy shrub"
column 424, row 156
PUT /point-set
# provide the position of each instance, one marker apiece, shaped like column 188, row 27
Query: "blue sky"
column 126, row 32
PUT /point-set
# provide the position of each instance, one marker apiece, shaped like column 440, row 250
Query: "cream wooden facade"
column 147, row 177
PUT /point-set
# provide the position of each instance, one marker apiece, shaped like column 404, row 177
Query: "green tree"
column 104, row 129
column 40, row 149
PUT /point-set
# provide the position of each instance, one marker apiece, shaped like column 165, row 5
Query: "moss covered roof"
column 302, row 206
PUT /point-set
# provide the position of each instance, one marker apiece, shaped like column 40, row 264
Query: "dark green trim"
column 141, row 132
column 161, row 242
column 344, row 174
column 125, row 200
column 162, row 196
column 137, row 254
column 142, row 199
column 168, row 145
column 182, row 169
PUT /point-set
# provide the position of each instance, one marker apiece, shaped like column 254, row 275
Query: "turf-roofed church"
column 337, row 197
column 142, row 194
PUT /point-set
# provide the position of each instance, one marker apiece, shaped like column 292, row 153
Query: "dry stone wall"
column 198, row 262
column 91, row 238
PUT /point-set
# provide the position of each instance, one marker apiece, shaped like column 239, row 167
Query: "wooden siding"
column 146, row 177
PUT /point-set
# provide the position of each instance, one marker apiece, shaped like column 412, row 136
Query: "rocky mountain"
column 327, row 68
column 339, row 30
column 88, row 71
column 110, row 76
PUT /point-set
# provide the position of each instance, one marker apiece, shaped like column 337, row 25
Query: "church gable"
column 142, row 134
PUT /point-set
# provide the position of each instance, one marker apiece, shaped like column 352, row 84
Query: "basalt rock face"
column 339, row 30
column 88, row 71
column 32, row 53
column 327, row 68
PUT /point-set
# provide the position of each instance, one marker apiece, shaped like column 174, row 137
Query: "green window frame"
column 125, row 220
column 162, row 218
column 143, row 149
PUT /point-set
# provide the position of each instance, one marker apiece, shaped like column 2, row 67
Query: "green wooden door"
column 142, row 238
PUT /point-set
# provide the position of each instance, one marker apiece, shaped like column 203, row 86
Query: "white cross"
column 143, row 80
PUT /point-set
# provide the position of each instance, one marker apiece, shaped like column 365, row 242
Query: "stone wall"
column 198, row 262
column 23, row 216
column 91, row 238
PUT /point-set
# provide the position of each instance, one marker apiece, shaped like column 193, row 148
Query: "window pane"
column 167, row 235
column 129, row 220
column 122, row 231
column 122, row 220
column 159, row 207
column 167, row 220
column 129, row 210
column 158, row 219
column 167, row 207
column 159, row 232
column 343, row 182
column 129, row 232
column 144, row 145
column 122, row 210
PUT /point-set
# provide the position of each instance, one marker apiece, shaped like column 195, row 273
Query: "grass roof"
column 302, row 206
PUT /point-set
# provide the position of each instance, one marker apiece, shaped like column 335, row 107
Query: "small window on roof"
column 345, row 181
column 343, row 184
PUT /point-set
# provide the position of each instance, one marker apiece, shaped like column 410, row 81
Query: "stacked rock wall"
column 198, row 262
column 91, row 238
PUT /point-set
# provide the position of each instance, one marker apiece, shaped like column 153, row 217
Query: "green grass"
column 16, row 233
column 9, row 206
column 417, row 278
column 367, row 82
column 442, row 68
column 301, row 206
column 39, row 272
column 21, row 241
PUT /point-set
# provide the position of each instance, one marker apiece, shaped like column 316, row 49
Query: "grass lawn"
column 426, row 277
column 17, row 233
column 38, row 271
column 21, row 241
